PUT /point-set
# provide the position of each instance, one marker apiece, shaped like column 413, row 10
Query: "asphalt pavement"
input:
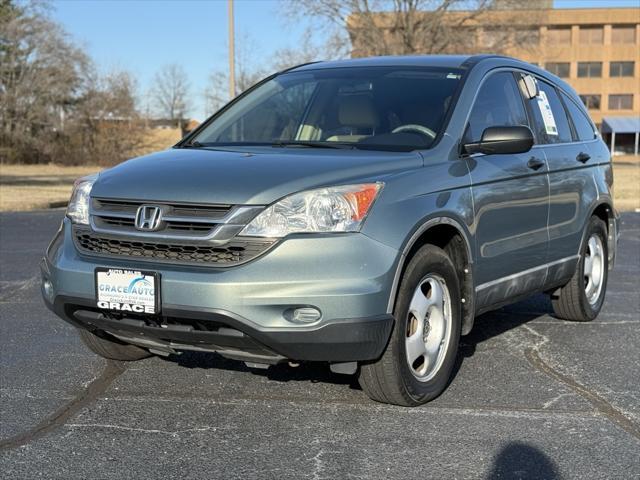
column 533, row 397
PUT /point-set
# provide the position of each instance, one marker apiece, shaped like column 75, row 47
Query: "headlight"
column 78, row 208
column 333, row 209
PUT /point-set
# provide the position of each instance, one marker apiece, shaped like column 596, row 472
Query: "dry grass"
column 31, row 187
column 158, row 139
column 626, row 185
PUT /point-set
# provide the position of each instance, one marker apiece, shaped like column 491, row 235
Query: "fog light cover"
column 47, row 289
column 303, row 315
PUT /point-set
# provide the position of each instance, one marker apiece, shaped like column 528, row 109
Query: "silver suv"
column 359, row 212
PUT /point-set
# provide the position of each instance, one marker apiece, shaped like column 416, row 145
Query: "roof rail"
column 288, row 69
column 475, row 59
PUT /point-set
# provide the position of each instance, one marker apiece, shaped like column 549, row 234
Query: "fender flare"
column 468, row 295
column 612, row 227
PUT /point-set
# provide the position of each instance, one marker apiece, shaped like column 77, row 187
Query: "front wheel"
column 419, row 358
column 581, row 299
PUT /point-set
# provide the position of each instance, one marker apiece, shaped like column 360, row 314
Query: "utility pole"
column 232, row 66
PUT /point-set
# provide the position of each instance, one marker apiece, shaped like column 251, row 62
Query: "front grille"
column 118, row 216
column 234, row 252
column 181, row 209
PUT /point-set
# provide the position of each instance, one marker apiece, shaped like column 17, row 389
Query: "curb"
column 58, row 204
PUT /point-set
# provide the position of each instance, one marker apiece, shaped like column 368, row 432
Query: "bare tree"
column 40, row 79
column 250, row 72
column 400, row 27
column 54, row 104
column 307, row 51
column 105, row 126
column 170, row 92
column 216, row 92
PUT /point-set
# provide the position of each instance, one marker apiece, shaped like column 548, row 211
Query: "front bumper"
column 240, row 311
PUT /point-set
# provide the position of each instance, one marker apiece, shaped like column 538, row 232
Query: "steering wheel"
column 412, row 127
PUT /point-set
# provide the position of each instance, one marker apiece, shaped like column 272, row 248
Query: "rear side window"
column 549, row 116
column 583, row 126
column 498, row 104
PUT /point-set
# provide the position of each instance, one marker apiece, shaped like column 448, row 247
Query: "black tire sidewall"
column 111, row 348
column 598, row 227
column 428, row 260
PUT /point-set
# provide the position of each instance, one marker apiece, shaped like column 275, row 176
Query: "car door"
column 570, row 178
column 510, row 199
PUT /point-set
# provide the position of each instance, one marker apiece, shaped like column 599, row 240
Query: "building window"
column 621, row 69
column 589, row 69
column 591, row 35
column 559, row 35
column 623, row 34
column 621, row 102
column 592, row 102
column 561, row 69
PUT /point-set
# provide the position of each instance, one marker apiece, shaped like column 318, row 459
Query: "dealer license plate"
column 125, row 290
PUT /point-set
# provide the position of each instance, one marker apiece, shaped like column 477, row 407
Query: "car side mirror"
column 502, row 140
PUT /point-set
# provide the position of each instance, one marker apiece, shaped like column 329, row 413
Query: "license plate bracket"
column 127, row 290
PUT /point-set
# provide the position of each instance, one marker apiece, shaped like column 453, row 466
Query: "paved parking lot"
column 534, row 397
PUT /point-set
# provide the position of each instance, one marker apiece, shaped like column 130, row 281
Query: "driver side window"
column 498, row 104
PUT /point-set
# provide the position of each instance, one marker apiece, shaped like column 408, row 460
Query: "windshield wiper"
column 313, row 144
column 282, row 144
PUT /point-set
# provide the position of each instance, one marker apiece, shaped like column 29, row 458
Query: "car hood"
column 257, row 176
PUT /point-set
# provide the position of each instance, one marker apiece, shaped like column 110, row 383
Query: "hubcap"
column 428, row 327
column 593, row 269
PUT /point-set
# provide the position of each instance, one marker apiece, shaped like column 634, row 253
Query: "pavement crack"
column 601, row 405
column 318, row 465
column 175, row 433
column 57, row 419
column 555, row 399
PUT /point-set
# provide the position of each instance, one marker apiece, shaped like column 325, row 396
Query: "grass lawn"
column 626, row 183
column 32, row 187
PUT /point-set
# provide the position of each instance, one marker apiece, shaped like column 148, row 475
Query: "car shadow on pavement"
column 486, row 326
column 519, row 460
column 495, row 323
column 498, row 322
column 314, row 372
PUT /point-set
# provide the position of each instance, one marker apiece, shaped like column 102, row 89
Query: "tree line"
column 57, row 106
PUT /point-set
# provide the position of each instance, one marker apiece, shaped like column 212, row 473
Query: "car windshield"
column 385, row 108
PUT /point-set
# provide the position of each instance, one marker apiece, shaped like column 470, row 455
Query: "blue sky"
column 143, row 35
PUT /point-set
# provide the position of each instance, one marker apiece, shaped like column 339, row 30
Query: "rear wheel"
column 421, row 353
column 581, row 299
column 112, row 349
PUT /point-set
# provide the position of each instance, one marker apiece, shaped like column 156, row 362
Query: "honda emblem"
column 148, row 218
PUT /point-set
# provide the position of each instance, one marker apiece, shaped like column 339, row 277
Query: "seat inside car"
column 357, row 117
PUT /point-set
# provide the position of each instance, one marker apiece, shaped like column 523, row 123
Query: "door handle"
column 535, row 163
column 583, row 157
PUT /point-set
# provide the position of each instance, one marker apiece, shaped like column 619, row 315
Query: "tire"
column 112, row 349
column 573, row 301
column 392, row 378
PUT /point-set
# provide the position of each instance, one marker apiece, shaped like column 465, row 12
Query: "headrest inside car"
column 357, row 111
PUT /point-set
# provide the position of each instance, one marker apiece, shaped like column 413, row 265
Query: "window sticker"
column 547, row 115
